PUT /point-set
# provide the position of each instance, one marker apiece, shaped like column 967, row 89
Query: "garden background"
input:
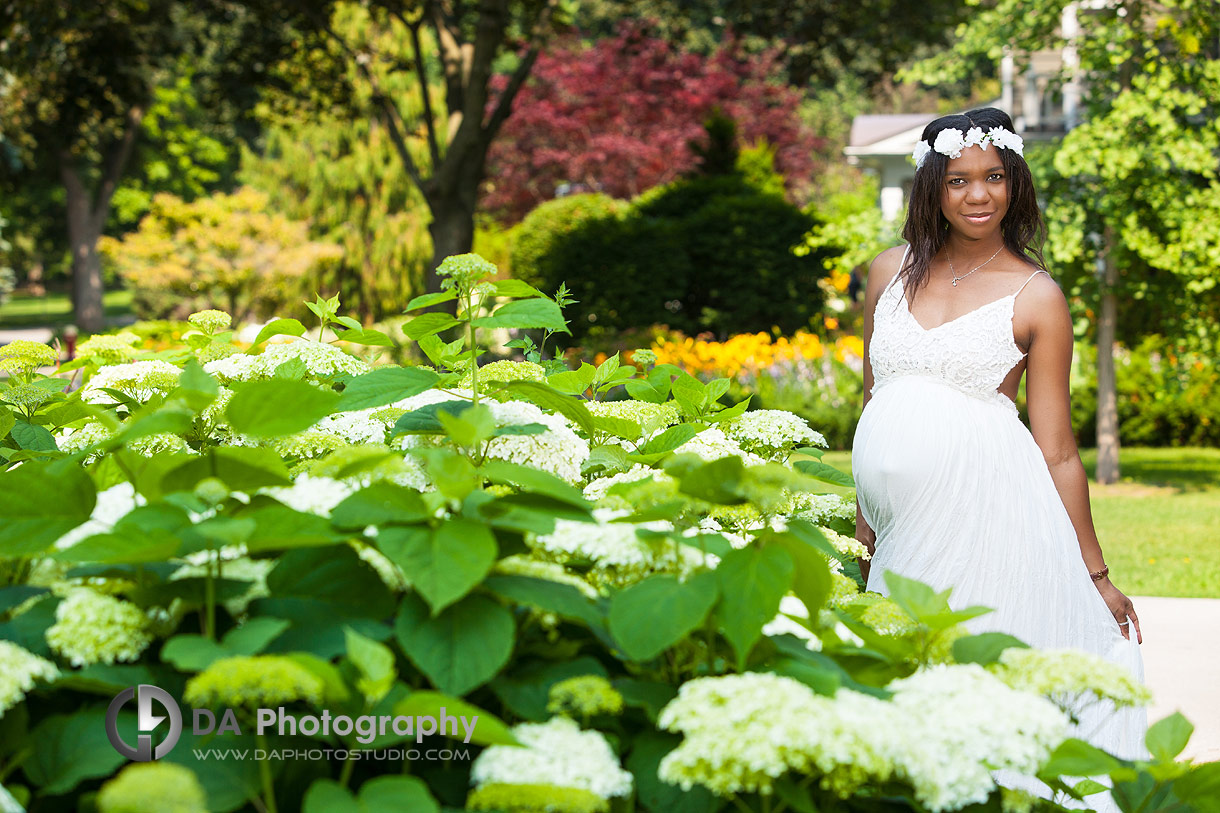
column 673, row 176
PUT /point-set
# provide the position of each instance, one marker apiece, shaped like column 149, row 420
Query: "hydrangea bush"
column 650, row 601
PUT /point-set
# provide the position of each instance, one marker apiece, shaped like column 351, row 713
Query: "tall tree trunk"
column 1107, row 389
column 86, row 264
column 453, row 208
column 87, row 214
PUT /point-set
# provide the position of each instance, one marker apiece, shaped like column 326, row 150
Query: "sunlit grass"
column 1159, row 526
column 55, row 309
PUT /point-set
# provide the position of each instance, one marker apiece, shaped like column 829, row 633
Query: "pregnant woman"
column 953, row 489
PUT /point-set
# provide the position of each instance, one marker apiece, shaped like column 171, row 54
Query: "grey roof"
column 873, row 128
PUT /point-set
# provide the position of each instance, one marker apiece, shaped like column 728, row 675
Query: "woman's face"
column 974, row 196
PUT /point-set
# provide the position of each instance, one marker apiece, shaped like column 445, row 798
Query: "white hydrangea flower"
column 358, row 426
column 1067, row 675
column 91, row 627
column 712, row 444
column 139, row 380
column 160, row 443
column 821, row 508
column 651, row 417
column 556, row 753
column 73, row 439
column 19, row 669
column 596, row 490
column 772, row 433
column 112, row 505
column 237, row 367
column 975, row 137
column 322, row 361
column 961, row 723
column 614, row 549
column 742, row 732
column 312, row 495
column 558, row 450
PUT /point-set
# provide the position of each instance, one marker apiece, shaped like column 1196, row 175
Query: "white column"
column 891, row 202
column 1071, row 67
column 1006, row 70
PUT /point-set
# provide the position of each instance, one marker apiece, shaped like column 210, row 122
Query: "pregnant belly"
column 922, row 444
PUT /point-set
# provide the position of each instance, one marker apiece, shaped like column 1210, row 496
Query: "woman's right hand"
column 866, row 537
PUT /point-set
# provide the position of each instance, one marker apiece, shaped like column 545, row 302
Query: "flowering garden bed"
column 629, row 596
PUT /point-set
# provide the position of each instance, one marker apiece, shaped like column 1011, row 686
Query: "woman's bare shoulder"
column 884, row 268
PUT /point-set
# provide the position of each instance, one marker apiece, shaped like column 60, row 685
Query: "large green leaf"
column 827, row 474
column 277, row 527
column 427, row 300
column 460, row 649
column 548, row 397
column 427, row 324
column 442, row 564
column 573, row 382
column 650, row 616
column 488, row 729
column 240, row 468
column 719, row 481
column 1168, row 737
column 526, row 313
column 380, row 504
column 67, row 749
column 375, row 661
column 33, row 436
column 39, row 503
column 228, row 783
column 1076, row 757
column 752, row 582
column 926, row 605
column 279, row 327
column 266, row 409
column 1200, row 788
column 562, row 599
column 984, row 648
column 516, row 288
column 812, row 582
column 382, row 794
column 148, row 533
column 384, row 386
column 670, row 439
column 533, row 480
column 647, row 751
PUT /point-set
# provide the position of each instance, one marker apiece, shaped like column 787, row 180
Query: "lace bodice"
column 972, row 353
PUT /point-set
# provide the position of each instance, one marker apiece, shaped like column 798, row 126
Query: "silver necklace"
column 956, row 278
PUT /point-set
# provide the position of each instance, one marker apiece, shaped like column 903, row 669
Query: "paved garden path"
column 1182, row 665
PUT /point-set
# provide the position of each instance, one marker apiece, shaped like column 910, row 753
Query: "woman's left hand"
column 1121, row 608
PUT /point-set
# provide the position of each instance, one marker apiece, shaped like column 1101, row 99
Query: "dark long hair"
column 926, row 229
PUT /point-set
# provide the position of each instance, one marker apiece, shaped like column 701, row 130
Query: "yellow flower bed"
column 751, row 352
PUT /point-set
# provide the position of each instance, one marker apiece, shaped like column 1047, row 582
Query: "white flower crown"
column 952, row 141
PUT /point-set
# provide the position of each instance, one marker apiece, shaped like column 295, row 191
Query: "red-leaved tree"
column 618, row 117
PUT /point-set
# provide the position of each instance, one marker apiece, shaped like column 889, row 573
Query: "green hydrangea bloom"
column 843, row 589
column 464, row 271
column 1016, row 801
column 507, row 371
column 1060, row 674
column 887, row 618
column 153, row 787
column 210, row 321
column 113, row 349
column 160, row 443
column 940, row 646
column 584, row 696
column 253, row 681
column 308, row 444
column 535, row 799
column 94, row 628
column 650, row 417
column 27, row 396
column 22, row 356
column 19, row 669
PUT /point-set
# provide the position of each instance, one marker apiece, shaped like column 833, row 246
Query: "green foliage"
column 719, row 247
column 441, row 552
column 1168, row 394
column 226, row 251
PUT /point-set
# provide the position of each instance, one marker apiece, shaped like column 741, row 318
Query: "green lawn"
column 55, row 309
column 1159, row 526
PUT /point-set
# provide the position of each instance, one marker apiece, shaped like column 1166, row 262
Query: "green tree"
column 1135, row 191
column 81, row 84
column 479, row 53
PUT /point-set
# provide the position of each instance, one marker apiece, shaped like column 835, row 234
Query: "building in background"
column 1042, row 107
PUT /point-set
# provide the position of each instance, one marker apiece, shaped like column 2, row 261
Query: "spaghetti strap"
column 1031, row 276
